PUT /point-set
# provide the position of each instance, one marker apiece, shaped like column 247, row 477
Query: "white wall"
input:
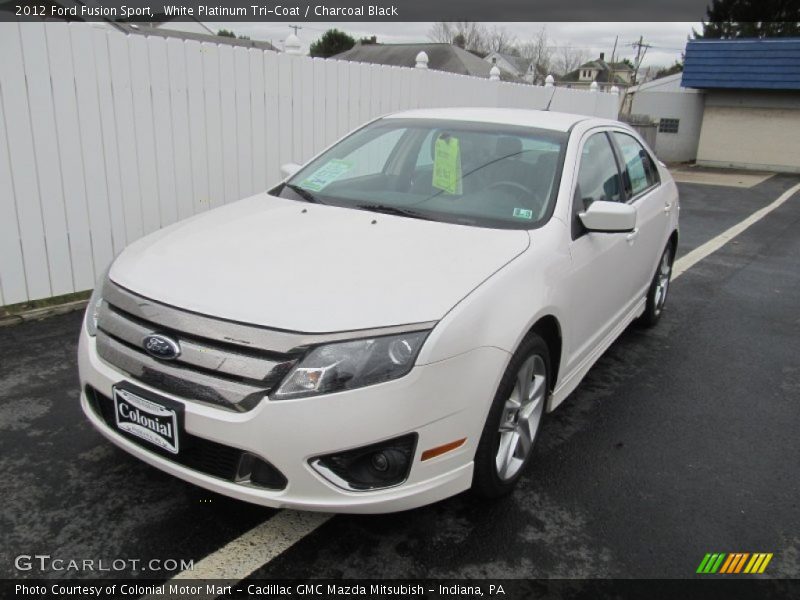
column 673, row 147
column 105, row 137
column 665, row 98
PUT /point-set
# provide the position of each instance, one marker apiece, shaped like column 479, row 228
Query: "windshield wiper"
column 393, row 210
column 303, row 193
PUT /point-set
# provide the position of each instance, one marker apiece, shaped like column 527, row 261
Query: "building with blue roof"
column 767, row 64
column 751, row 102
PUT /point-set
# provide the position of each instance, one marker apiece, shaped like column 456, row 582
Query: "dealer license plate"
column 150, row 419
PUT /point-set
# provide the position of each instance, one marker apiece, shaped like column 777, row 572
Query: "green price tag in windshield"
column 447, row 165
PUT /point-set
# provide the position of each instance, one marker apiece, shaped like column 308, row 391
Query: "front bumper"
column 441, row 402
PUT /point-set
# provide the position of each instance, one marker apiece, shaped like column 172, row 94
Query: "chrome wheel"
column 662, row 281
column 520, row 417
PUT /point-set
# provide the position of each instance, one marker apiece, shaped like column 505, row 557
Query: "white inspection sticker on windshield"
column 326, row 174
column 523, row 213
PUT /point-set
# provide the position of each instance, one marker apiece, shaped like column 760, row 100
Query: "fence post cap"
column 494, row 73
column 548, row 81
column 292, row 44
column 614, row 90
column 422, row 60
column 593, row 87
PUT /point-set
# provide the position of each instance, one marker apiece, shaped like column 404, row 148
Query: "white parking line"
column 685, row 263
column 240, row 557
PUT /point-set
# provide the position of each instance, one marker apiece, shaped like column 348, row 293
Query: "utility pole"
column 613, row 74
column 295, row 27
column 639, row 56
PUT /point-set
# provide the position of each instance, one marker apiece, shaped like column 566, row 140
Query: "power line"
column 667, row 48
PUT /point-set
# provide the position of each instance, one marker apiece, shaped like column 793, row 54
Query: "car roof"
column 555, row 121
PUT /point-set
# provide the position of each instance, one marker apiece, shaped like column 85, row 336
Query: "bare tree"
column 540, row 54
column 499, row 39
column 568, row 59
column 466, row 34
column 442, row 32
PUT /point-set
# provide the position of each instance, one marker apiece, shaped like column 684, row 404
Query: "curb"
column 37, row 314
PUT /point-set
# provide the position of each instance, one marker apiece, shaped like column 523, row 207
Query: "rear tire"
column 514, row 420
column 659, row 286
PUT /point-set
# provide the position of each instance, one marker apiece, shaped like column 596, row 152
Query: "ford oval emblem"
column 161, row 346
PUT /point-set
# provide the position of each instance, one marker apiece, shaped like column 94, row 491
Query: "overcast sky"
column 668, row 39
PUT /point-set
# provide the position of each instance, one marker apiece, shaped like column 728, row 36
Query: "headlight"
column 349, row 365
column 93, row 310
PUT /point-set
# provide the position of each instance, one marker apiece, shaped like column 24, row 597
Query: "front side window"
column 598, row 176
column 470, row 173
column 640, row 172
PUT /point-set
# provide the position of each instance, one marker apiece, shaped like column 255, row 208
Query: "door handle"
column 667, row 207
column 631, row 237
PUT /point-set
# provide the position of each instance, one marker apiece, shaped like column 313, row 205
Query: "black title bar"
column 700, row 588
column 363, row 10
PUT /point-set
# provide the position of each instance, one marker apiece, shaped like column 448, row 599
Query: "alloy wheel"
column 662, row 282
column 520, row 417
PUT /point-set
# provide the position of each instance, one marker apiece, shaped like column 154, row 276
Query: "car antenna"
column 549, row 102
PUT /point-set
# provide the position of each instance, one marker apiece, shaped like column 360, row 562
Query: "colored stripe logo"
column 734, row 562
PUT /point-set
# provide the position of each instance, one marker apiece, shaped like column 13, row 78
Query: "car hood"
column 313, row 268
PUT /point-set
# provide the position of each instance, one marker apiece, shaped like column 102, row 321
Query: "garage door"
column 754, row 138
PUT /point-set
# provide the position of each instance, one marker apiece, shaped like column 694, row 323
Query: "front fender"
column 502, row 310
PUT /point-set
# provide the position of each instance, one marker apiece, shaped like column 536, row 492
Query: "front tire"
column 514, row 420
column 659, row 286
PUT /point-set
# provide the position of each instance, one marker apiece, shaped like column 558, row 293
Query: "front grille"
column 196, row 453
column 214, row 367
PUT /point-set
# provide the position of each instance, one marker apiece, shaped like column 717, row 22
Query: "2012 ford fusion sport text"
column 389, row 325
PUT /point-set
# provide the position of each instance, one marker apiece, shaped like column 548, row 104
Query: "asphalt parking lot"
column 682, row 440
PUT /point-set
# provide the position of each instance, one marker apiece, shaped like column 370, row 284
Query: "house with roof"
column 441, row 57
column 751, row 107
column 187, row 34
column 184, row 27
column 518, row 66
column 605, row 74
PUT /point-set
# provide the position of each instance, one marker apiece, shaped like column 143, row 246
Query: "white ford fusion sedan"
column 389, row 325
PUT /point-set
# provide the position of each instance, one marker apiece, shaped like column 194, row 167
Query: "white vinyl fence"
column 105, row 137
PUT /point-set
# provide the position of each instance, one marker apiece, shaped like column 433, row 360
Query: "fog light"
column 254, row 471
column 376, row 466
column 379, row 462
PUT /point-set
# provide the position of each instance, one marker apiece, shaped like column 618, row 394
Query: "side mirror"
column 609, row 217
column 290, row 169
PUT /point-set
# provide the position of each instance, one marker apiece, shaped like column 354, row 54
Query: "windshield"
column 470, row 173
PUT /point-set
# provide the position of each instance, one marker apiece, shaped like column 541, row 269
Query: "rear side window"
column 640, row 172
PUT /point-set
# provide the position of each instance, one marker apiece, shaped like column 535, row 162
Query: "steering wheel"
column 516, row 188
